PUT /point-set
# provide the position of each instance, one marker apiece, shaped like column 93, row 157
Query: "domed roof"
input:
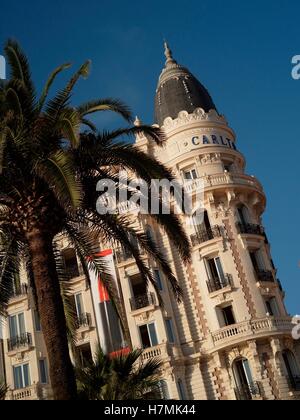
column 178, row 90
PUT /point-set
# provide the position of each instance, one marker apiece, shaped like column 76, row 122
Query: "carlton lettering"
column 213, row 139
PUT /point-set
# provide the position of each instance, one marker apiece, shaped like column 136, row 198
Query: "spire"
column 168, row 54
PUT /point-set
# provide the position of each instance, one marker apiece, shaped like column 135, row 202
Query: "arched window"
column 292, row 369
column 246, row 388
column 70, row 262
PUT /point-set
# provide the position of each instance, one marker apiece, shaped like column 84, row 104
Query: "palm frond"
column 107, row 104
column 59, row 173
column 49, row 83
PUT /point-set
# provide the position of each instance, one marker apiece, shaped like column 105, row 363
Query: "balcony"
column 219, row 180
column 29, row 393
column 250, row 229
column 264, row 275
column 217, row 283
column 160, row 351
column 246, row 330
column 206, row 235
column 83, row 321
column 248, row 391
column 142, row 301
column 20, row 342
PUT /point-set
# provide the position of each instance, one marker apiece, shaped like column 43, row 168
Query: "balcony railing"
column 83, row 320
column 216, row 180
column 248, row 391
column 251, row 229
column 247, row 329
column 205, row 235
column 142, row 301
column 219, row 283
column 264, row 275
column 21, row 290
column 23, row 340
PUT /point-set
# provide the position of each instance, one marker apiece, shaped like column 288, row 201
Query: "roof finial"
column 168, row 54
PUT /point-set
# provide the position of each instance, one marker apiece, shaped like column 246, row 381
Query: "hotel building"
column 230, row 337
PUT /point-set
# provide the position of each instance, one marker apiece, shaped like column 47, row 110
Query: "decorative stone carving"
column 198, row 115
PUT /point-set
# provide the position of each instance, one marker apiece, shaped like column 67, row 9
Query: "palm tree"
column 122, row 378
column 49, row 169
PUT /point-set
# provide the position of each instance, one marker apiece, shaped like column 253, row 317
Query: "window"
column 170, row 330
column 79, row 304
column 180, row 388
column 148, row 335
column 292, row 368
column 215, row 269
column 138, row 286
column 16, row 325
column 71, row 264
column 228, row 315
column 158, row 279
column 163, row 390
column 190, row 174
column 202, row 224
column 21, row 376
column 84, row 355
column 227, row 167
column 243, row 215
column 246, row 388
column 43, row 371
column 257, row 260
column 37, row 321
column 272, row 307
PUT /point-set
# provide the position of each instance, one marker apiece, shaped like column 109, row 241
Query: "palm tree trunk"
column 52, row 315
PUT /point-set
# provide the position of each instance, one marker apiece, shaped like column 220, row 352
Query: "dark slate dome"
column 178, row 90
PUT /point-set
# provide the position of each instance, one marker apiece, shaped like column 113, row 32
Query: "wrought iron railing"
column 142, row 301
column 251, row 229
column 264, row 275
column 248, row 391
column 219, row 283
column 84, row 320
column 17, row 342
column 205, row 235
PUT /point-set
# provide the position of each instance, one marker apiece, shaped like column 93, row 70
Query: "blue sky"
column 241, row 51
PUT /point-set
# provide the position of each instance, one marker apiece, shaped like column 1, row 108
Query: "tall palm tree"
column 49, row 168
column 122, row 378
